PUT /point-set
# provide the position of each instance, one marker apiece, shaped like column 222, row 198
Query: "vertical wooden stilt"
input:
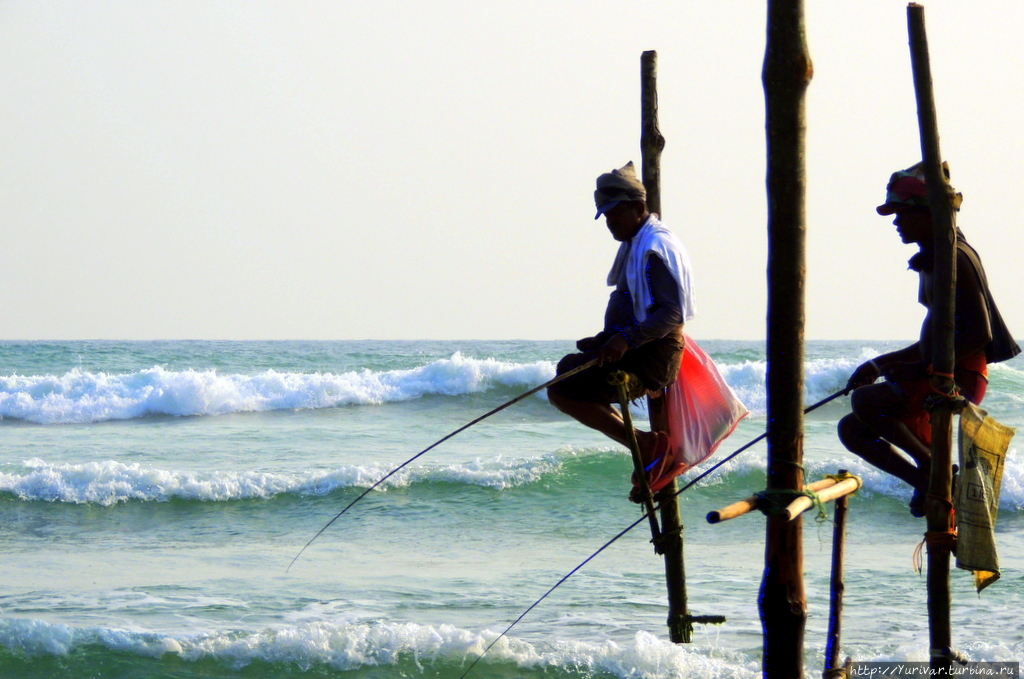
column 787, row 72
column 652, row 143
column 836, row 588
column 680, row 625
column 942, row 310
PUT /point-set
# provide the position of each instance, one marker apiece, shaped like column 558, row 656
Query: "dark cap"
column 617, row 186
column 907, row 188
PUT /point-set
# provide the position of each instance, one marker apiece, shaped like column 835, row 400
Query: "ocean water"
column 153, row 495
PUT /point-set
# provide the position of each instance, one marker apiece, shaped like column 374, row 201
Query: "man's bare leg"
column 878, row 407
column 606, row 419
column 865, row 443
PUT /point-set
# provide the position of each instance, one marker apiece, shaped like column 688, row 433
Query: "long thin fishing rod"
column 553, row 588
column 391, row 473
column 634, row 525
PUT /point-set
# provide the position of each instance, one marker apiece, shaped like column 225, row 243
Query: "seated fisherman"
column 890, row 417
column 643, row 325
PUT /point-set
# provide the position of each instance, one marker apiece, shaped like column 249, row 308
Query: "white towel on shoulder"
column 654, row 238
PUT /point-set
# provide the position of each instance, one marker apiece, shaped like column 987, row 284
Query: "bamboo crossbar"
column 841, row 489
column 753, row 502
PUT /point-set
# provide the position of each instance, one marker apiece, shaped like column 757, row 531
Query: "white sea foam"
column 349, row 647
column 822, row 377
column 110, row 482
column 79, row 396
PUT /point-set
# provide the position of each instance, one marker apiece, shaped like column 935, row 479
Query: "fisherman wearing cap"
column 890, row 417
column 643, row 326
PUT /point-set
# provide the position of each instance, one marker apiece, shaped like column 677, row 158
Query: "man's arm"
column 903, row 359
column 664, row 316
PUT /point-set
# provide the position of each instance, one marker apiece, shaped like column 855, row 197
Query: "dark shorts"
column 973, row 385
column 655, row 364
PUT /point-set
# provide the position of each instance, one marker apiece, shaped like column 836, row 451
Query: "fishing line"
column 391, row 473
column 635, row 524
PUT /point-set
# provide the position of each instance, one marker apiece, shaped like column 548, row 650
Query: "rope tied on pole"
column 838, row 478
column 665, row 534
column 819, row 503
column 950, row 401
column 841, row 476
column 935, row 540
column 946, row 396
column 770, row 501
column 777, row 502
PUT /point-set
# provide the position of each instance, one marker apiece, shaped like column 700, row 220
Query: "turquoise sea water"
column 153, row 494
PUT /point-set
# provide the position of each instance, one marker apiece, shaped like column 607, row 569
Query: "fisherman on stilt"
column 643, row 328
column 891, row 417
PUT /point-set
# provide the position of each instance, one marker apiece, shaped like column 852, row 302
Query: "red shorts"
column 971, row 378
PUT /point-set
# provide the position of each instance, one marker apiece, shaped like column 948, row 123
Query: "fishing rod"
column 391, row 473
column 637, row 523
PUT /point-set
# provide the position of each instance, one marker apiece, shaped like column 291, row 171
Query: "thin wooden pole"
column 942, row 309
column 836, row 587
column 680, row 622
column 652, row 143
column 621, row 379
column 787, row 72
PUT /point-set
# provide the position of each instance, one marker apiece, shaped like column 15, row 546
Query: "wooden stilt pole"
column 836, row 589
column 787, row 72
column 680, row 622
column 652, row 143
column 940, row 197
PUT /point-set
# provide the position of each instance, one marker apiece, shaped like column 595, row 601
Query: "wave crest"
column 110, row 482
column 79, row 397
column 405, row 645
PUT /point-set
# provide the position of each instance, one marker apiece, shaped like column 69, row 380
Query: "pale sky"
column 413, row 170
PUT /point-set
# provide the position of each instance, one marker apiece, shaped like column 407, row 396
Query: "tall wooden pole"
column 652, row 143
column 943, row 303
column 836, row 588
column 787, row 72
